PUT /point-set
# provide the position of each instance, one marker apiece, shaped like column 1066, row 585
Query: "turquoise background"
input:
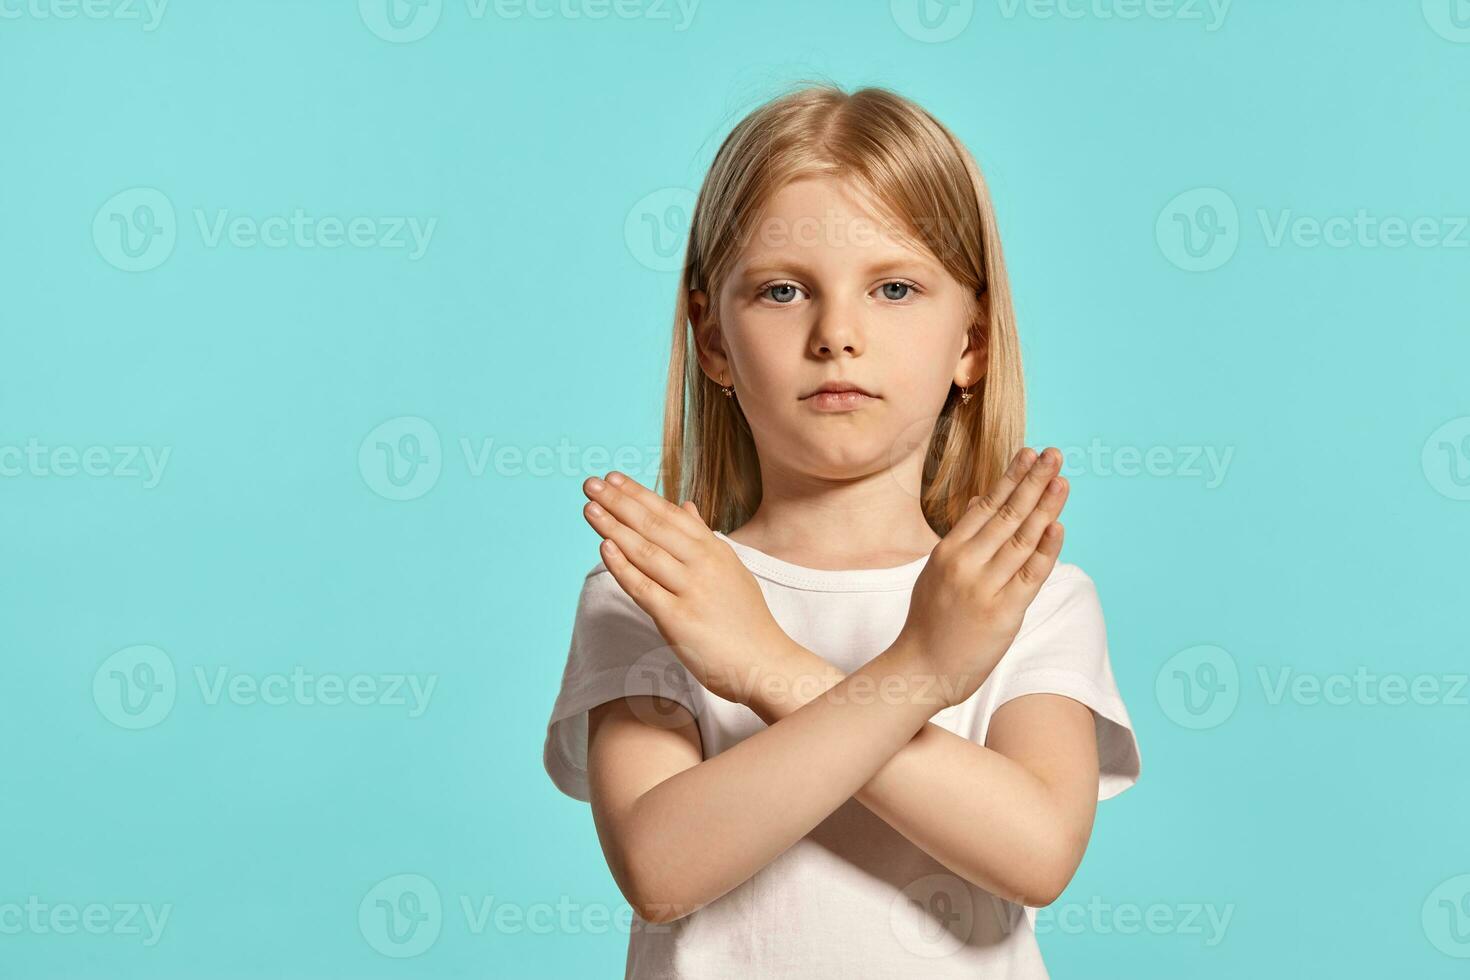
column 538, row 315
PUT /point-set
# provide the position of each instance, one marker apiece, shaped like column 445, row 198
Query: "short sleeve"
column 1062, row 648
column 616, row 651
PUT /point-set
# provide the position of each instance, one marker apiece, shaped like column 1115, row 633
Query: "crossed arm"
column 1012, row 816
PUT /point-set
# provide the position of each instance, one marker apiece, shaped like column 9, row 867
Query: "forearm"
column 982, row 815
column 703, row 831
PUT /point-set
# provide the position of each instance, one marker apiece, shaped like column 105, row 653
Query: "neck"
column 872, row 520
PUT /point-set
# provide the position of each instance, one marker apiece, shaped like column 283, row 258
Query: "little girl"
column 842, row 712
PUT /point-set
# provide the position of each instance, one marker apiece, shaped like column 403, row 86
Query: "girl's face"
column 826, row 291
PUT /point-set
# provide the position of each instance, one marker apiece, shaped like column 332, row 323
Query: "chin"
column 843, row 455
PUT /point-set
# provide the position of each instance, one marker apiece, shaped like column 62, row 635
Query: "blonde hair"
column 908, row 162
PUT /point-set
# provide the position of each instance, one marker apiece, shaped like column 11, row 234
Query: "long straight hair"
column 908, row 162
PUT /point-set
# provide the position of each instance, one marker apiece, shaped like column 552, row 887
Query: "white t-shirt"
column 853, row 898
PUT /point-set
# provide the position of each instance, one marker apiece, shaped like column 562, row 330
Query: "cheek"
column 768, row 356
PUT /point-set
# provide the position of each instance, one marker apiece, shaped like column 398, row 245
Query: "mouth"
column 840, row 396
column 839, row 388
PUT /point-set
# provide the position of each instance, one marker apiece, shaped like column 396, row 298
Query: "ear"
column 709, row 343
column 974, row 356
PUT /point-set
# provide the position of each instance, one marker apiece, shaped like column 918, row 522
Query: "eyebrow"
column 768, row 266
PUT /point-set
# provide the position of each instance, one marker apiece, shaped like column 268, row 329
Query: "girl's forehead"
column 835, row 212
column 808, row 245
column 830, row 197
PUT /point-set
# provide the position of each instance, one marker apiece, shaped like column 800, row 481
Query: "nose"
column 838, row 327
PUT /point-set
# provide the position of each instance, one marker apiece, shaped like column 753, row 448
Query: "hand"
column 968, row 601
column 693, row 586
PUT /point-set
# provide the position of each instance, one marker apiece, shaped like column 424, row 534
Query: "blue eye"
column 784, row 293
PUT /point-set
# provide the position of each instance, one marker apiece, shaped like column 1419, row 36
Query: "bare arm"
column 1012, row 816
column 678, row 840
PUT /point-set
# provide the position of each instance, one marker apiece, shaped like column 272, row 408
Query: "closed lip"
column 839, row 386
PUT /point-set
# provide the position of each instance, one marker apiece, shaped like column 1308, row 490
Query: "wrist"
column 793, row 677
column 926, row 681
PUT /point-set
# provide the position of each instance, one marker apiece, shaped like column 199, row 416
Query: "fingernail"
column 595, row 485
column 615, row 478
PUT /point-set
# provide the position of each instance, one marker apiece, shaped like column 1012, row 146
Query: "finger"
column 647, row 593
column 660, row 522
column 649, row 558
column 1009, row 515
column 651, row 515
column 690, row 506
column 656, row 503
column 1020, row 546
column 1027, row 582
column 979, row 509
